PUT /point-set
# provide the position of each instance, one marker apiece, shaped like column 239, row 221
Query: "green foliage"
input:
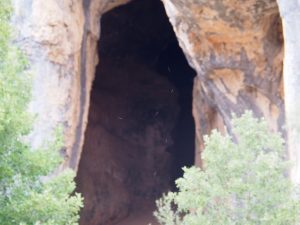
column 243, row 183
column 27, row 195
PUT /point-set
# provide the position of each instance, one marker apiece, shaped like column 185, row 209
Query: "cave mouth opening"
column 140, row 130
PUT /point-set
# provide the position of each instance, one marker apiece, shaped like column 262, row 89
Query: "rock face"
column 51, row 34
column 290, row 14
column 60, row 39
column 236, row 49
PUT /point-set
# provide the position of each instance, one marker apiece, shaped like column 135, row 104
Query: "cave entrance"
column 140, row 130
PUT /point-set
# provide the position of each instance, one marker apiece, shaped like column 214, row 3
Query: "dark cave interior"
column 140, row 129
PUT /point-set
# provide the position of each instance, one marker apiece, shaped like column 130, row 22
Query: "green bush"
column 243, row 183
column 27, row 195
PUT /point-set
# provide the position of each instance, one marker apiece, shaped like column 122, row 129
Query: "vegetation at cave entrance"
column 242, row 183
column 27, row 195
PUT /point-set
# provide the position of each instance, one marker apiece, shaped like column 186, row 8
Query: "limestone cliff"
column 289, row 11
column 236, row 49
column 60, row 40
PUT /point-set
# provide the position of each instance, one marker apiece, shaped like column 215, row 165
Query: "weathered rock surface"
column 51, row 33
column 236, row 48
column 290, row 13
column 60, row 39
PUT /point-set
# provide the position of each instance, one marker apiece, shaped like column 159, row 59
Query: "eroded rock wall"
column 290, row 13
column 50, row 33
column 60, row 40
column 236, row 48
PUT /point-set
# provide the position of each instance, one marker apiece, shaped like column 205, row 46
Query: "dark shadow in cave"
column 140, row 130
column 174, row 66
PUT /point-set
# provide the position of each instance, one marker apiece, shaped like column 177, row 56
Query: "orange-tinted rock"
column 236, row 48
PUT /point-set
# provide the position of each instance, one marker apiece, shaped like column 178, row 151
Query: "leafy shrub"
column 243, row 183
column 26, row 196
